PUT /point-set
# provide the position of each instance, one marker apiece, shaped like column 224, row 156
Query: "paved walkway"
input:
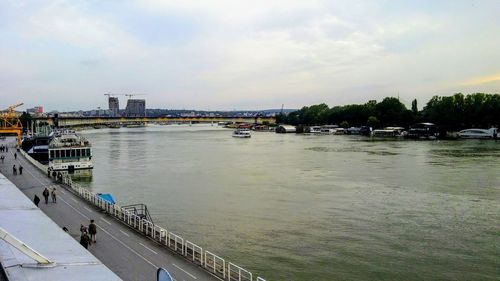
column 128, row 254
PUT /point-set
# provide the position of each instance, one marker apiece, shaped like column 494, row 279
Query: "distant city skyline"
column 245, row 55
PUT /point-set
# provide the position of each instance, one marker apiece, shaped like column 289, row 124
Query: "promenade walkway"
column 127, row 253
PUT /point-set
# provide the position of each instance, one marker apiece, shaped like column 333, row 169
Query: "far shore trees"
column 478, row 110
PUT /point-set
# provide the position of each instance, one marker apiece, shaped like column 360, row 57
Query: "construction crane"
column 9, row 122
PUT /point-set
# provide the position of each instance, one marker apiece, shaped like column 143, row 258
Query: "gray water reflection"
column 297, row 207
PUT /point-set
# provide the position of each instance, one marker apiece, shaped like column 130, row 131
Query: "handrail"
column 208, row 261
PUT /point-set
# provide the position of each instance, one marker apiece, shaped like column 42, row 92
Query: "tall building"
column 135, row 108
column 114, row 106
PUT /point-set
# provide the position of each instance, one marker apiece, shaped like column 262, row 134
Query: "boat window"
column 73, row 153
column 63, row 154
column 88, row 152
column 78, row 152
column 52, row 154
column 68, row 153
column 56, row 152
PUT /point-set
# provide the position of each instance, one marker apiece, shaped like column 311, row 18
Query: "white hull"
column 241, row 133
column 477, row 133
column 66, row 166
column 241, row 136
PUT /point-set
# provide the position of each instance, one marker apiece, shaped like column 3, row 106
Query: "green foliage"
column 373, row 122
column 25, row 119
column 450, row 113
column 344, row 124
column 458, row 111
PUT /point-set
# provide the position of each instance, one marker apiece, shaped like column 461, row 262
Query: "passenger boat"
column 241, row 133
column 353, row 131
column 38, row 147
column 423, row 131
column 69, row 152
column 478, row 133
column 389, row 132
column 329, row 129
column 315, row 130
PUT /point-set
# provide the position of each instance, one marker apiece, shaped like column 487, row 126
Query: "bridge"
column 95, row 121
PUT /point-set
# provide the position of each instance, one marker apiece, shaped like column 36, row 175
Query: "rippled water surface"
column 299, row 207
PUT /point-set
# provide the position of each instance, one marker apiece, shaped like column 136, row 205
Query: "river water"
column 305, row 207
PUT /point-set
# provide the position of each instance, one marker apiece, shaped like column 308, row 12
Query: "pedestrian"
column 65, row 229
column 2, row 158
column 48, row 172
column 92, row 230
column 53, row 193
column 20, row 169
column 46, row 195
column 14, row 170
column 54, row 174
column 36, row 200
column 84, row 240
column 15, row 155
column 82, row 229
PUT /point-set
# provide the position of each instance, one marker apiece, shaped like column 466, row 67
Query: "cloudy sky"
column 258, row 54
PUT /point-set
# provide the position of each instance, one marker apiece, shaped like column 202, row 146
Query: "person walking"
column 84, row 240
column 46, row 195
column 2, row 158
column 53, row 193
column 92, row 230
column 20, row 169
column 36, row 200
column 14, row 170
column 15, row 155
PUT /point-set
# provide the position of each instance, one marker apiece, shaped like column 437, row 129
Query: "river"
column 306, row 207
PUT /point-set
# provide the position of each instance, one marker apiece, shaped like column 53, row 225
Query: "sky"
column 232, row 54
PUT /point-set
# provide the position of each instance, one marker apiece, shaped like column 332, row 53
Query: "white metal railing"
column 192, row 252
column 236, row 273
column 176, row 243
column 215, row 264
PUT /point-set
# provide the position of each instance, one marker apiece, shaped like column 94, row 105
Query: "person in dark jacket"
column 84, row 240
column 46, row 194
column 20, row 169
column 36, row 200
column 92, row 230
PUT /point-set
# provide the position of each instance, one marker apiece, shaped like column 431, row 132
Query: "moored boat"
column 478, row 133
column 241, row 133
column 69, row 152
column 315, row 130
column 389, row 132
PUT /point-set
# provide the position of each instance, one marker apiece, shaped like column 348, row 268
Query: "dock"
column 131, row 255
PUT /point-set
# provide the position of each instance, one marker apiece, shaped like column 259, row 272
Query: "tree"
column 344, row 124
column 373, row 122
column 26, row 120
column 414, row 107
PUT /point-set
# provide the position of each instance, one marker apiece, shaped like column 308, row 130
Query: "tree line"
column 459, row 111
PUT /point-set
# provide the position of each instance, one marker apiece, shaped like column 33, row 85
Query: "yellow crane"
column 9, row 122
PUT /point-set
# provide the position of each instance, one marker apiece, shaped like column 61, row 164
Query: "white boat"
column 329, row 129
column 241, row 133
column 69, row 152
column 315, row 130
column 478, row 133
column 339, row 131
column 389, row 132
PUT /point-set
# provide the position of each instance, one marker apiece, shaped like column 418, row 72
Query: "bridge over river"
column 95, row 121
